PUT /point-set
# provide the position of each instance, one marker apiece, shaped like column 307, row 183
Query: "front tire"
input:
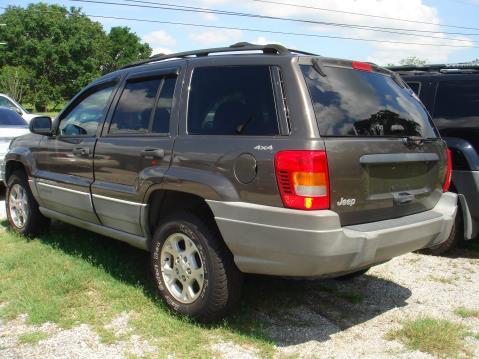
column 193, row 270
column 22, row 209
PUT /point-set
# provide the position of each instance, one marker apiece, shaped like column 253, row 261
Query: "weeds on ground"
column 438, row 337
column 71, row 276
column 32, row 338
column 467, row 313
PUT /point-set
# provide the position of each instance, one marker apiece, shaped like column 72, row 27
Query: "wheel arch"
column 162, row 202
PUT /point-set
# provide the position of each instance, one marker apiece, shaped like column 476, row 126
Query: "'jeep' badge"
column 346, row 202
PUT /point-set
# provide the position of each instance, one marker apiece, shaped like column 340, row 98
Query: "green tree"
column 61, row 48
column 412, row 60
column 14, row 81
column 124, row 47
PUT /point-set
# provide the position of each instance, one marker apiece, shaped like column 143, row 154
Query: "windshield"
column 348, row 102
column 10, row 118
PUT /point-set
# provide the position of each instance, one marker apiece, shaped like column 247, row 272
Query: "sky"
column 166, row 38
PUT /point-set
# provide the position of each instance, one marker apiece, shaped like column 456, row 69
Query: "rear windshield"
column 348, row 102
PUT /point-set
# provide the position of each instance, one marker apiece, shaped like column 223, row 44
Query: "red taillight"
column 447, row 179
column 303, row 179
column 362, row 66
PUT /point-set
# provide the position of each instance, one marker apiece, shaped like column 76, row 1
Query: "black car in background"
column 451, row 95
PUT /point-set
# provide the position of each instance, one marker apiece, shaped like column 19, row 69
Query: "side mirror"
column 41, row 125
column 17, row 110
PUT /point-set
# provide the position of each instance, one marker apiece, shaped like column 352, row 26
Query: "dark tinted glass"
column 11, row 118
column 415, row 86
column 348, row 102
column 232, row 101
column 132, row 114
column 83, row 119
column 456, row 99
column 161, row 122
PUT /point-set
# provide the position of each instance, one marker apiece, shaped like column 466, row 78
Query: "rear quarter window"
column 457, row 99
column 348, row 102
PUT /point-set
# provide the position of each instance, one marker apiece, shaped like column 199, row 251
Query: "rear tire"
column 22, row 209
column 456, row 236
column 193, row 270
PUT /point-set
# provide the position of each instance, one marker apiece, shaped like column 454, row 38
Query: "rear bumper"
column 286, row 242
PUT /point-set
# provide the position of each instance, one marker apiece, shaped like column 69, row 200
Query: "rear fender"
column 466, row 149
column 204, row 184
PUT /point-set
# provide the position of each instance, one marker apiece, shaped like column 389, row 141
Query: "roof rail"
column 462, row 66
column 240, row 46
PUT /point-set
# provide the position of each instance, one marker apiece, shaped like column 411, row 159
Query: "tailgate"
column 385, row 158
column 382, row 178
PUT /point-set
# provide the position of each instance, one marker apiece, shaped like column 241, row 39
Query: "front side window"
column 136, row 112
column 233, row 100
column 86, row 116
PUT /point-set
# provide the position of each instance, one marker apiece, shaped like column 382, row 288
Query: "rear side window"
column 235, row 100
column 348, row 102
column 457, row 99
column 136, row 113
column 415, row 86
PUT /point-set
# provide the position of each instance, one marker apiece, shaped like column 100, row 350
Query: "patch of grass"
column 32, row 338
column 467, row 313
column 351, row 297
column 107, row 336
column 438, row 337
column 71, row 276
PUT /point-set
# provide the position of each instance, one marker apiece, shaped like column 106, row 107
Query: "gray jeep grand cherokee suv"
column 247, row 159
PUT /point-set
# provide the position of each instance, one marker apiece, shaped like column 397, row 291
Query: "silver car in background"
column 11, row 125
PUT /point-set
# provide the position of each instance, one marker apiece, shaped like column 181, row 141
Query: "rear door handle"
column 153, row 153
column 81, row 151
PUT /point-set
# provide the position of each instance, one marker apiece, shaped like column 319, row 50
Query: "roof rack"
column 240, row 46
column 444, row 68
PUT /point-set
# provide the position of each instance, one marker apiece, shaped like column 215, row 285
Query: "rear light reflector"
column 362, row 66
column 447, row 179
column 303, row 179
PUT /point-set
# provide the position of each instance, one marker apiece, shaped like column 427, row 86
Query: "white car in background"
column 11, row 125
column 8, row 102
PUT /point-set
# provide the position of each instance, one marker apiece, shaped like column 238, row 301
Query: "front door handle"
column 81, row 152
column 153, row 153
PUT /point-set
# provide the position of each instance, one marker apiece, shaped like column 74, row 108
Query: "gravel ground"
column 321, row 323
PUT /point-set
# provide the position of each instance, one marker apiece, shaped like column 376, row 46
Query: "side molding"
column 135, row 241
